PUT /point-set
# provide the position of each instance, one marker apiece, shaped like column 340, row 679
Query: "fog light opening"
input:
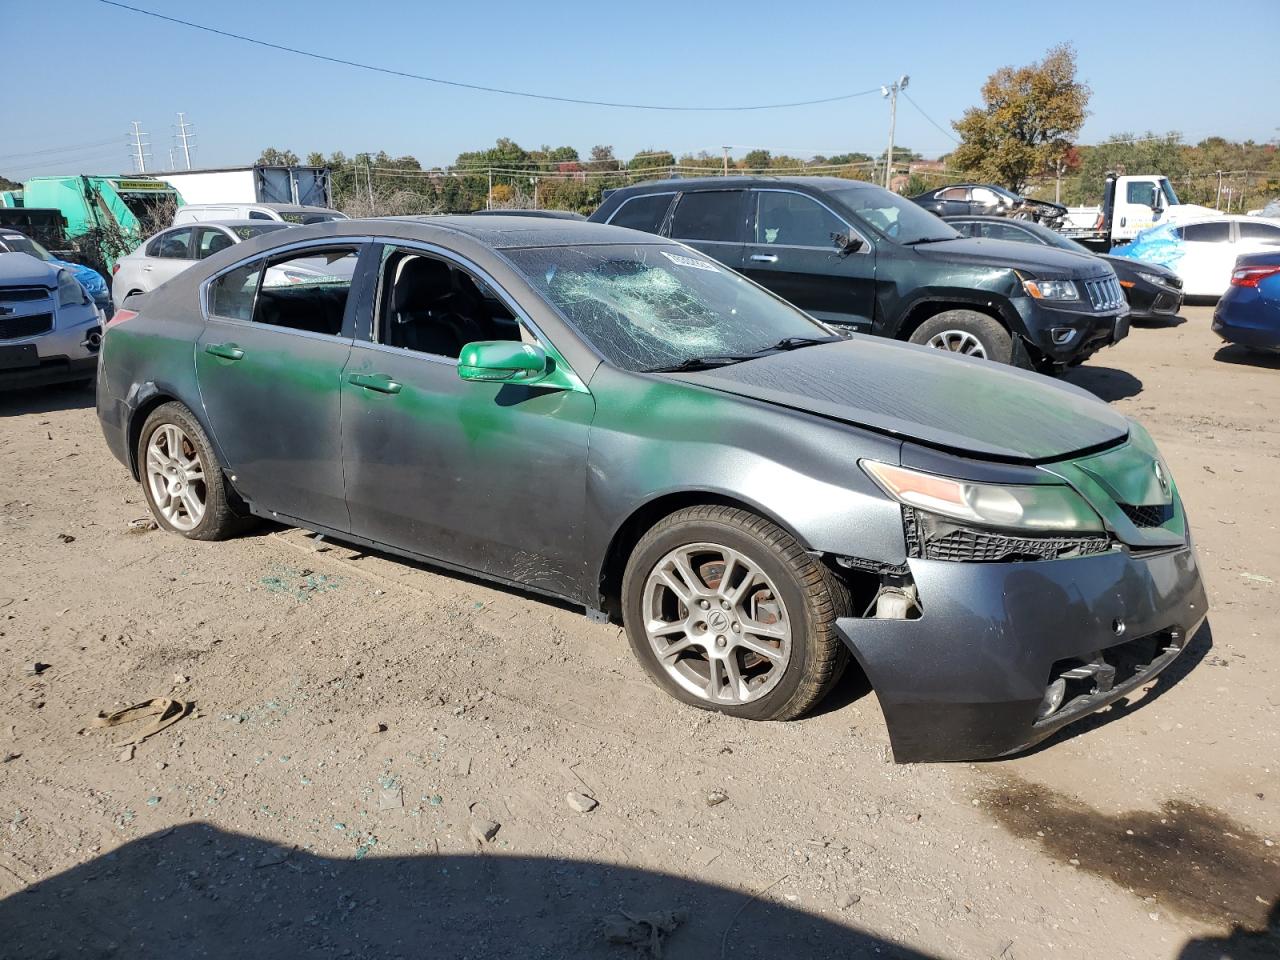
column 1052, row 698
column 1062, row 335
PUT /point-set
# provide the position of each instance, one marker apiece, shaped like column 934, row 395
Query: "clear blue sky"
column 1152, row 65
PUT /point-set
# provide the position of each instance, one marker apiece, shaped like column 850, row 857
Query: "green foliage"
column 1028, row 119
column 7, row 184
column 278, row 158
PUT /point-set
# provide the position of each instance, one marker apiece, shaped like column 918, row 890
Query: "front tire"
column 727, row 612
column 181, row 477
column 966, row 332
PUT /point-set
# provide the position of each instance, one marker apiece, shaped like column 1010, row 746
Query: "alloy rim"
column 717, row 623
column 175, row 475
column 958, row 341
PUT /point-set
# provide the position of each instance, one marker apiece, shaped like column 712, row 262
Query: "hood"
column 1124, row 266
column 973, row 407
column 1033, row 259
column 24, row 270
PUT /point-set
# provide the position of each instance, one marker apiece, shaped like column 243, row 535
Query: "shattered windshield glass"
column 655, row 306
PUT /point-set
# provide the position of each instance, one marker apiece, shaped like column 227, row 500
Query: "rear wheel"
column 967, row 332
column 726, row 611
column 182, row 479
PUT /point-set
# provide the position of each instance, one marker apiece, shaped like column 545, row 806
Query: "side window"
column 259, row 215
column 430, row 306
column 1001, row 231
column 983, row 195
column 643, row 213
column 1214, row 231
column 964, row 228
column 1140, row 191
column 954, row 193
column 794, row 220
column 175, row 245
column 307, row 290
column 209, row 241
column 1257, row 230
column 231, row 295
column 709, row 215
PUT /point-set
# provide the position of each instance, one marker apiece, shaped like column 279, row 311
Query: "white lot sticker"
column 690, row 262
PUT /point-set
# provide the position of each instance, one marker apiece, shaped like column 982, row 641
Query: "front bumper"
column 966, row 680
column 1067, row 332
column 67, row 353
column 1148, row 301
column 1241, row 318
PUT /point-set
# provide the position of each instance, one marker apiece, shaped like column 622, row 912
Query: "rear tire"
column 182, row 480
column 967, row 332
column 750, row 575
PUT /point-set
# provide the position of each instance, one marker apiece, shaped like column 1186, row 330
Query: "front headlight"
column 70, row 292
column 1155, row 278
column 1043, row 507
column 1051, row 289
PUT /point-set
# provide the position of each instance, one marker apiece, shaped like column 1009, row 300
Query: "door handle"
column 374, row 381
column 765, row 257
column 227, row 351
column 146, row 266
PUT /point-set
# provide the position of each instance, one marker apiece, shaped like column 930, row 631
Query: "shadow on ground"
column 1233, row 353
column 1106, row 383
column 67, row 396
column 1157, row 323
column 196, row 891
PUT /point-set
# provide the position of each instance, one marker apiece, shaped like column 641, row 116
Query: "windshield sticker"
column 690, row 262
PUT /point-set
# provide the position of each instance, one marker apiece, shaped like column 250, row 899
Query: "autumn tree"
column 271, row 157
column 1028, row 119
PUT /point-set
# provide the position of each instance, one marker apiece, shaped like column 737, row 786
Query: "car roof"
column 721, row 182
column 231, row 222
column 505, row 233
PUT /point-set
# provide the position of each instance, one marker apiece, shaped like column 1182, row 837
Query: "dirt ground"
column 357, row 720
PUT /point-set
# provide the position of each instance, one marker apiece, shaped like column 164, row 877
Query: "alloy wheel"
column 716, row 623
column 958, row 341
column 175, row 476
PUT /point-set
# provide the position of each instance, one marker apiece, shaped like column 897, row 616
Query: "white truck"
column 1129, row 204
column 302, row 185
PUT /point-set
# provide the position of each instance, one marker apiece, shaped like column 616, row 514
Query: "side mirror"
column 847, row 242
column 503, row 361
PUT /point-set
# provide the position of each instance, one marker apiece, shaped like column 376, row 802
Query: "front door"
column 269, row 366
column 713, row 222
column 486, row 476
column 792, row 253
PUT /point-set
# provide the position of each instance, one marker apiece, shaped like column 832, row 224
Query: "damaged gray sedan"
column 612, row 419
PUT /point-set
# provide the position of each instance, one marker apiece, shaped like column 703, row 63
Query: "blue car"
column 13, row 242
column 1249, row 312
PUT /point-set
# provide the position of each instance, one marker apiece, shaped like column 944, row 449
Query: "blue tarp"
column 89, row 278
column 1160, row 244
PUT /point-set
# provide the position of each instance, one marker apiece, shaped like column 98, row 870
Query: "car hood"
column 24, row 270
column 973, row 407
column 1034, row 260
column 1127, row 266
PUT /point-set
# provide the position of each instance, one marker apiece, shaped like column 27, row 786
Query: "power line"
column 475, row 86
column 67, row 149
column 937, row 126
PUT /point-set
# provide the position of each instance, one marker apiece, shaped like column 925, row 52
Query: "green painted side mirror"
column 502, row 361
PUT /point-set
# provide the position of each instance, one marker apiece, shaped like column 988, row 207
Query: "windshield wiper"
column 795, row 343
column 700, row 363
column 912, row 243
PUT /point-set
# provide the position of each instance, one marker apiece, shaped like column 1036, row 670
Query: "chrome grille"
column 31, row 325
column 1104, row 293
column 16, row 294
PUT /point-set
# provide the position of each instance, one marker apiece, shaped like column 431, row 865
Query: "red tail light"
column 115, row 268
column 120, row 316
column 1252, row 276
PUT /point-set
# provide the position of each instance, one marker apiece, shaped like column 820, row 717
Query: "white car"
column 168, row 253
column 294, row 213
column 1210, row 246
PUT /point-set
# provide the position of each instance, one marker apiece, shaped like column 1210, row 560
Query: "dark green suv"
column 863, row 259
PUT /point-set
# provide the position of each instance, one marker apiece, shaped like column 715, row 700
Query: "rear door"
column 1209, row 254
column 269, row 363
column 1257, row 236
column 953, row 201
column 712, row 221
column 791, row 252
column 168, row 255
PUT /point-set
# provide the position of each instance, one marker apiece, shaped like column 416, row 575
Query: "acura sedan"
column 613, row 419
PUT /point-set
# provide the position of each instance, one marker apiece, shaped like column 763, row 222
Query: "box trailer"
column 307, row 186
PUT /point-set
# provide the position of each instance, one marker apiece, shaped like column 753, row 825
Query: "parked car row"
column 621, row 421
column 988, row 200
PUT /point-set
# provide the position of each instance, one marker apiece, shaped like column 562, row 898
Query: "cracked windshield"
column 658, row 307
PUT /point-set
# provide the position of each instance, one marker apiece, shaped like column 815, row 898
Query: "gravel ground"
column 361, row 726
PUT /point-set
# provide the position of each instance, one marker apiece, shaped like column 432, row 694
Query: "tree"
column 1028, row 119
column 7, row 184
column 651, row 157
column 757, row 160
column 272, row 157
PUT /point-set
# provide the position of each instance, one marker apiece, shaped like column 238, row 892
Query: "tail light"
column 120, row 316
column 115, row 268
column 1252, row 276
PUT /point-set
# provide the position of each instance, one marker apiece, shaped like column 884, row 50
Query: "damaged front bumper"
column 977, row 674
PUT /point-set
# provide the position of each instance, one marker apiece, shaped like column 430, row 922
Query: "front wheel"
column 181, row 477
column 967, row 332
column 726, row 611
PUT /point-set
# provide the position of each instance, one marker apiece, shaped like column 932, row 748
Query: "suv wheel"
column 182, row 479
column 727, row 612
column 968, row 332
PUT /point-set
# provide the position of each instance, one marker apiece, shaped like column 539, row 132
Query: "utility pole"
column 368, row 178
column 185, row 138
column 892, row 92
column 139, row 147
column 726, row 160
column 1217, row 201
column 488, row 203
column 1058, row 168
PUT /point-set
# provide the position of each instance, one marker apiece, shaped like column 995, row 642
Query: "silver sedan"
column 168, row 253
